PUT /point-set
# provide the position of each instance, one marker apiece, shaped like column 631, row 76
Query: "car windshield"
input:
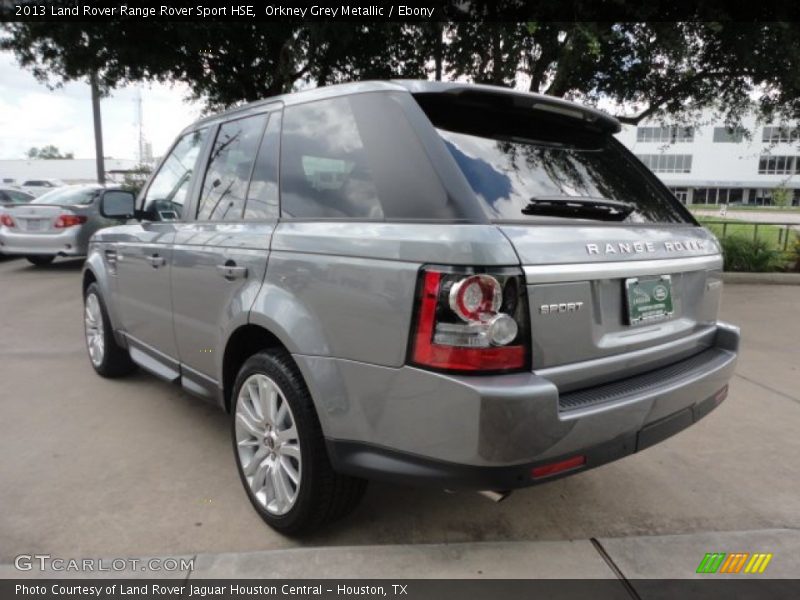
column 67, row 196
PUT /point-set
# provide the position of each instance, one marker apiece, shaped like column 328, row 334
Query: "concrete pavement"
column 630, row 558
column 137, row 468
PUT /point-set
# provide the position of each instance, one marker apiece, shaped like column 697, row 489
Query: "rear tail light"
column 7, row 221
column 467, row 321
column 69, row 221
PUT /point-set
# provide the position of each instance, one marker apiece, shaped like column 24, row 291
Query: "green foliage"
column 772, row 235
column 744, row 254
column 781, row 197
column 47, row 153
column 796, row 254
column 135, row 179
column 223, row 63
column 655, row 68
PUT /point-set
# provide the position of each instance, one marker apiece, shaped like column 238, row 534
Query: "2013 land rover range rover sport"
column 445, row 284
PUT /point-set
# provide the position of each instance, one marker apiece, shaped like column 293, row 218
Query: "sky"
column 33, row 115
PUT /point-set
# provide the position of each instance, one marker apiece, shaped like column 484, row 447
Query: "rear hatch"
column 621, row 279
column 647, row 296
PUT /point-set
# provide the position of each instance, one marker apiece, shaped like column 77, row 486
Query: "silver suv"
column 444, row 284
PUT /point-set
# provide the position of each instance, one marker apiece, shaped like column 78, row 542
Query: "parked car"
column 458, row 286
column 58, row 223
column 38, row 187
column 10, row 196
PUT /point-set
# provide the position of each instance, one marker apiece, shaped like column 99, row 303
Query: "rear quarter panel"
column 346, row 290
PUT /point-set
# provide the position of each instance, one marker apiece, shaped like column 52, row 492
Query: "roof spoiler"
column 522, row 100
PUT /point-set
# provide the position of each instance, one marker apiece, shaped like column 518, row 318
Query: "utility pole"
column 98, row 128
column 139, row 122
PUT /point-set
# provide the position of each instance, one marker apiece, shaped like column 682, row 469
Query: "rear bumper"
column 69, row 242
column 374, row 462
column 417, row 427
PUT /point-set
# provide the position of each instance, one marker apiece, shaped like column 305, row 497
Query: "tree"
column 782, row 197
column 649, row 68
column 134, row 179
column 223, row 63
column 47, row 153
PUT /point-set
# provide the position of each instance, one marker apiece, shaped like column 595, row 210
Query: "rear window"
column 67, row 196
column 512, row 159
column 357, row 157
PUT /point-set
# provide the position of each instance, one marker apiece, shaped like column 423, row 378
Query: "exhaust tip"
column 495, row 495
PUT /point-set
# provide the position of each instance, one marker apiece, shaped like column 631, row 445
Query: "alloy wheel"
column 93, row 323
column 267, row 444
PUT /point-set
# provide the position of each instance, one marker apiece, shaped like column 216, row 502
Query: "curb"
column 762, row 278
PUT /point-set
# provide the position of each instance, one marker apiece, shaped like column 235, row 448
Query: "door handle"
column 156, row 260
column 230, row 271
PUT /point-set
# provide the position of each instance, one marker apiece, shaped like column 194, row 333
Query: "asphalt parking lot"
column 93, row 467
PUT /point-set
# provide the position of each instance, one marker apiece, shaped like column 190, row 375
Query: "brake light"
column 470, row 322
column 7, row 221
column 69, row 221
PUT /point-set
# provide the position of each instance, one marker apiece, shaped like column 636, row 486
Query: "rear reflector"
column 558, row 467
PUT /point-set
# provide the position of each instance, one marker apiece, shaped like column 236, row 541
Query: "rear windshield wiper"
column 579, row 206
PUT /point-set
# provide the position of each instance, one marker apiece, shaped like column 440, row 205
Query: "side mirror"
column 118, row 204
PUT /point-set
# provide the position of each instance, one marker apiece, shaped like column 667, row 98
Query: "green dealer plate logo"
column 648, row 300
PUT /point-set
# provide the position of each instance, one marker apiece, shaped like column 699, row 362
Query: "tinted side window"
column 357, row 157
column 229, row 168
column 167, row 193
column 262, row 196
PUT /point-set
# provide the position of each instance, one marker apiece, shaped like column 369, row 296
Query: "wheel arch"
column 244, row 342
column 88, row 279
column 95, row 271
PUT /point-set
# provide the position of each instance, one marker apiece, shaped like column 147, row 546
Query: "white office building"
column 711, row 164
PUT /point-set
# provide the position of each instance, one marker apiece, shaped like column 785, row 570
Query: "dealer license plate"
column 648, row 299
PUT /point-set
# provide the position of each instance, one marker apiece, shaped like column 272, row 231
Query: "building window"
column 777, row 165
column 670, row 134
column 762, row 197
column 682, row 194
column 717, row 195
column 729, row 134
column 667, row 163
column 776, row 135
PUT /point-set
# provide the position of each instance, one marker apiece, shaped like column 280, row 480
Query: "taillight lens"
column 69, row 221
column 470, row 322
column 7, row 221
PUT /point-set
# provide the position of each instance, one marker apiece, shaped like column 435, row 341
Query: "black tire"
column 116, row 362
column 40, row 261
column 323, row 494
